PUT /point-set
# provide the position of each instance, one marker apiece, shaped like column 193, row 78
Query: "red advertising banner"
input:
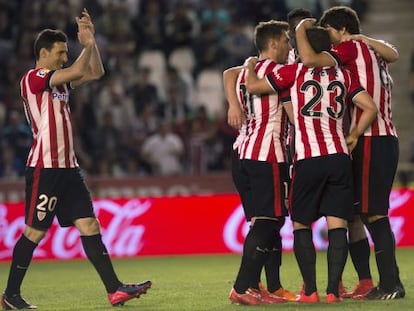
column 203, row 224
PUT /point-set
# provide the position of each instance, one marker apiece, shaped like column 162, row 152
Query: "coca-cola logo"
column 236, row 228
column 121, row 236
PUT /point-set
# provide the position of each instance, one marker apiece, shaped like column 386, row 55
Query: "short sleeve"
column 39, row 80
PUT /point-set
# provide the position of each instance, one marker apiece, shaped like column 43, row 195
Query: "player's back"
column 319, row 100
column 373, row 75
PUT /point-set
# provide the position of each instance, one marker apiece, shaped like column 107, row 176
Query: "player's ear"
column 43, row 53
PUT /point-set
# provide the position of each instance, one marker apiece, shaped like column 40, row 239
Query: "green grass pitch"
column 196, row 283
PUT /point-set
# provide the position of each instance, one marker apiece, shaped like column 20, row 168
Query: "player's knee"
column 87, row 226
column 33, row 234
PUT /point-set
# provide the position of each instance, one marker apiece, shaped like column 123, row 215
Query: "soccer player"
column 293, row 18
column 260, row 169
column 368, row 59
column 54, row 185
column 322, row 174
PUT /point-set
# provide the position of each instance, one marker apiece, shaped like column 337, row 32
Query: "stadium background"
column 167, row 72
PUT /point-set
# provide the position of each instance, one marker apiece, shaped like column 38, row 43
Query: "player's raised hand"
column 85, row 35
column 88, row 20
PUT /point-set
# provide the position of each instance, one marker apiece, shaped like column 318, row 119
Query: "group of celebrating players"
column 316, row 139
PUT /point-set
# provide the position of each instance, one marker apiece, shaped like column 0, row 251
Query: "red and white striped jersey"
column 319, row 98
column 374, row 76
column 48, row 114
column 266, row 120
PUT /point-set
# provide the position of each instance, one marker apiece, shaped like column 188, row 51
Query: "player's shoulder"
column 36, row 73
column 345, row 45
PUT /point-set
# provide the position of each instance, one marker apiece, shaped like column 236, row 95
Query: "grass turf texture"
column 196, row 283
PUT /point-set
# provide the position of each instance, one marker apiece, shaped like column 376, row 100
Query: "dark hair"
column 318, row 38
column 46, row 38
column 340, row 17
column 265, row 31
column 297, row 14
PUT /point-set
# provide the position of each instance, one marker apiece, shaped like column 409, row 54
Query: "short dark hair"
column 298, row 14
column 340, row 17
column 46, row 38
column 318, row 38
column 268, row 30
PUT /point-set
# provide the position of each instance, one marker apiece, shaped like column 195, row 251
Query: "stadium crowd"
column 160, row 108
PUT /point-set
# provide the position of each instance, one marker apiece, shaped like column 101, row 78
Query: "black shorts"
column 263, row 187
column 241, row 182
column 56, row 191
column 374, row 162
column 322, row 186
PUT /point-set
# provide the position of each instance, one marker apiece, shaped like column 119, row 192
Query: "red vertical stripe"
column 300, row 119
column 33, row 196
column 317, row 124
column 371, row 80
column 52, row 133
column 333, row 123
column 365, row 174
column 65, row 132
column 264, row 102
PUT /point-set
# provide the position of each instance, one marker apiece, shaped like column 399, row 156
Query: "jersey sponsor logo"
column 42, row 73
column 60, row 96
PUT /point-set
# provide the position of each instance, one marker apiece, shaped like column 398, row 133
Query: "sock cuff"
column 26, row 241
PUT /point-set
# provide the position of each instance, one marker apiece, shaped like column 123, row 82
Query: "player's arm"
column 307, row 54
column 384, row 49
column 254, row 84
column 78, row 69
column 235, row 115
column 289, row 111
column 369, row 112
column 95, row 68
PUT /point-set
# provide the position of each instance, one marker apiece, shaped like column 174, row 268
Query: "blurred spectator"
column 163, row 151
column 201, row 142
column 113, row 98
column 149, row 26
column 208, row 50
column 175, row 109
column 181, row 26
column 263, row 10
column 237, row 45
column 142, row 91
column 17, row 136
column 106, row 145
column 217, row 15
column 6, row 33
column 313, row 6
column 11, row 167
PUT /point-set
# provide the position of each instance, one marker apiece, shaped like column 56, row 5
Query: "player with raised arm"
column 54, row 184
column 368, row 59
column 322, row 175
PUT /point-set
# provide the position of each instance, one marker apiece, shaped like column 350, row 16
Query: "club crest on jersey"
column 42, row 73
column 41, row 215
